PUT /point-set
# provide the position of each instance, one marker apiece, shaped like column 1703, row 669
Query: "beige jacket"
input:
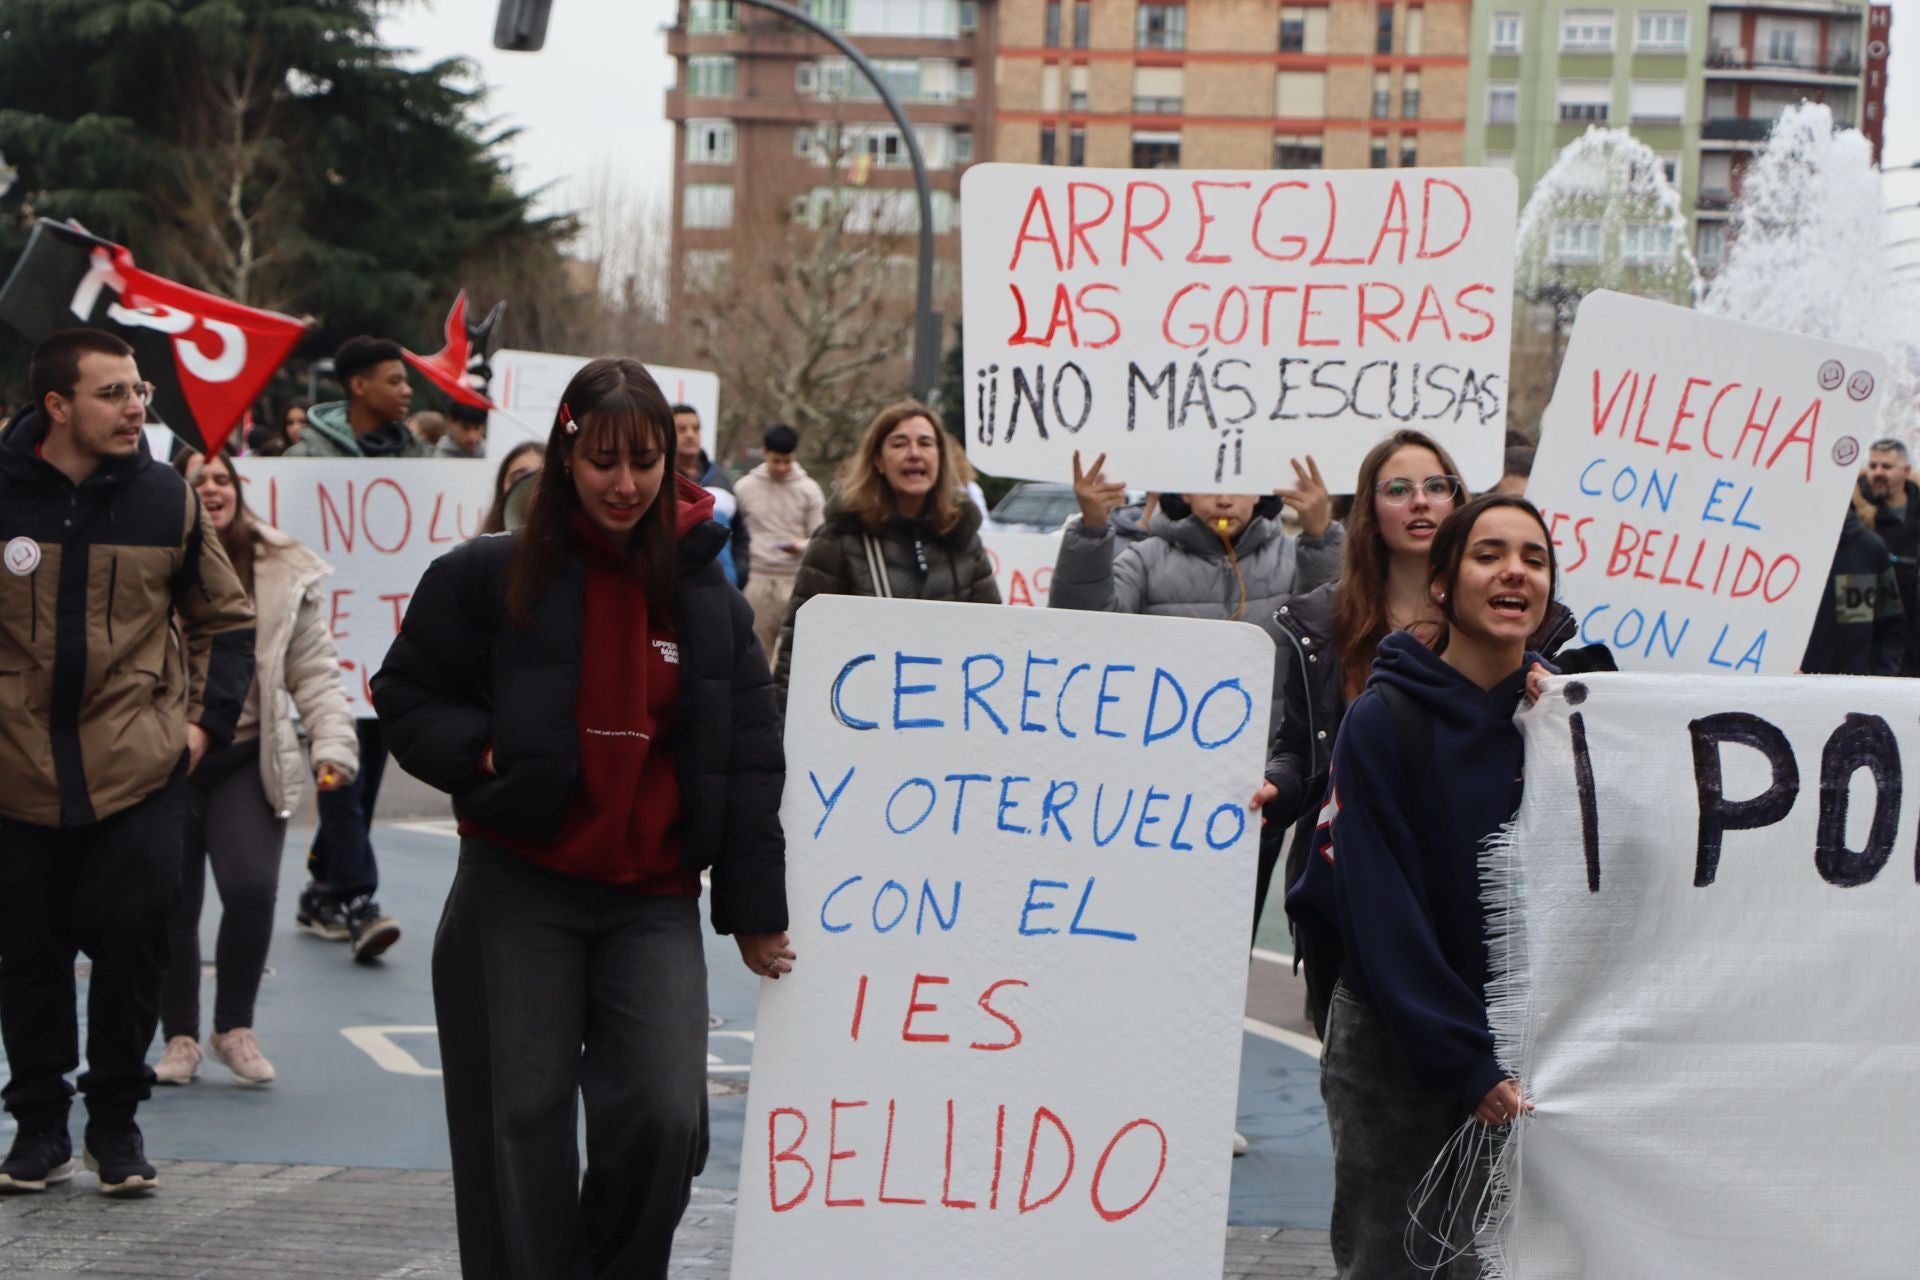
column 294, row 655
column 777, row 511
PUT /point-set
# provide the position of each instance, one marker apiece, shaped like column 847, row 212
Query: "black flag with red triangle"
column 208, row 358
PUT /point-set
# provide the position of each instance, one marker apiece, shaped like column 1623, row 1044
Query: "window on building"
column 1300, row 95
column 1780, row 38
column 1498, row 160
column 707, row 205
column 1082, row 24
column 829, row 13
column 964, row 83
column 1383, row 29
column 1660, row 31
column 1409, row 154
column 1046, row 144
column 1503, row 102
column 807, row 142
column 962, row 147
column 1157, row 91
column 1710, row 243
column 1657, row 101
column 1303, row 29
column 1077, row 87
column 1584, row 99
column 707, row 268
column 1504, row 33
column 1156, row 151
column 1160, row 26
column 969, row 17
column 1051, row 34
column 705, row 17
column 1410, row 95
column 1574, row 242
column 1716, row 176
column 710, row 142
column 1586, row 31
column 1297, row 151
column 1050, row 86
column 710, row 76
column 1377, row 154
column 1382, row 94
column 1670, row 166
column 1077, row 147
column 1646, row 242
column 1413, row 32
column 806, row 78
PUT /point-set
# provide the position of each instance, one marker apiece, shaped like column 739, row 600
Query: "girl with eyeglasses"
column 1407, row 486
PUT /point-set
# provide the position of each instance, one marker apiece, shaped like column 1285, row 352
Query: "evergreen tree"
column 272, row 151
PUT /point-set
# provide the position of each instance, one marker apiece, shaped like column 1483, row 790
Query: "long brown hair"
column 1360, row 608
column 613, row 401
column 1450, row 544
column 866, row 493
column 241, row 538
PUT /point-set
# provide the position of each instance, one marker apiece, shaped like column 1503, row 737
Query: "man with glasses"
column 104, row 709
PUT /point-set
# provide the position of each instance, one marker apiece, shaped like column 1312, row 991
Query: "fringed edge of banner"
column 1510, row 1017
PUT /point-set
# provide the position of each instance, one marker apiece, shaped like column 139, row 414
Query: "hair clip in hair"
column 567, row 424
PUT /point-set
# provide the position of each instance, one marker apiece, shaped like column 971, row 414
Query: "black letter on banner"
column 1718, row 815
column 1861, row 742
column 1583, row 784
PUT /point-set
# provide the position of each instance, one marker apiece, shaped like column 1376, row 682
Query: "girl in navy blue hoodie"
column 1426, row 769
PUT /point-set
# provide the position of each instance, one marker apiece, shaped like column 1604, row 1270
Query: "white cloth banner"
column 1694, row 472
column 1018, row 865
column 379, row 523
column 1201, row 327
column 1710, row 999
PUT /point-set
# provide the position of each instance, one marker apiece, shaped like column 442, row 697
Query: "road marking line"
column 1272, row 957
column 1280, row 1035
column 388, row 1056
column 442, row 827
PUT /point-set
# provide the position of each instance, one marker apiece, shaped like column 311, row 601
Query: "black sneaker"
column 40, row 1157
column 370, row 929
column 116, row 1153
column 321, row 914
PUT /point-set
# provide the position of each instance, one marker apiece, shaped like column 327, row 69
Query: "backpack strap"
column 877, row 566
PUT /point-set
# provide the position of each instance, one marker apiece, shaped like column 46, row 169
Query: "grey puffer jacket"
column 1181, row 570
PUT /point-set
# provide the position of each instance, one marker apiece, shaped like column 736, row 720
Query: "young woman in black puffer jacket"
column 589, row 690
column 900, row 526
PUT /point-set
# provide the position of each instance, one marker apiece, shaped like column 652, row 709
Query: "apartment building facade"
column 1699, row 81
column 775, row 125
column 1231, row 84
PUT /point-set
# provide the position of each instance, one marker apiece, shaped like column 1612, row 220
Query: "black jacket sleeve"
column 1290, row 758
column 229, row 676
column 431, row 692
column 750, row 875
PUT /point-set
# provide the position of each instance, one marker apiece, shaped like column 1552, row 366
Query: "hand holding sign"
column 1309, row 498
column 767, row 954
column 1097, row 495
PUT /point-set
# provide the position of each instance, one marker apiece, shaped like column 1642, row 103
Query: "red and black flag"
column 449, row 367
column 208, row 358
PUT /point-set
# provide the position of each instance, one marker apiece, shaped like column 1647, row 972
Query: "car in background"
column 1044, row 505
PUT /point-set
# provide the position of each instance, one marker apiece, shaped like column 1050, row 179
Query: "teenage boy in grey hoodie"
column 782, row 505
column 372, row 421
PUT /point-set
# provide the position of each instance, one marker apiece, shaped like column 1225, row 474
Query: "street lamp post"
column 523, row 24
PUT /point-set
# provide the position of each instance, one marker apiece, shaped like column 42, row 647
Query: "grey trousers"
column 1387, row 1131
column 554, row 993
column 231, row 825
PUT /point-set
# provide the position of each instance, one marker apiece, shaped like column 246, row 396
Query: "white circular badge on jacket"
column 23, row 556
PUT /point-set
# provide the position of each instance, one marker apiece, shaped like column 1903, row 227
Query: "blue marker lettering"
column 1150, row 736
column 1200, row 711
column 1032, row 906
column 1147, row 819
column 973, row 691
column 1000, row 819
column 932, row 794
column 1099, row 795
column 902, row 691
column 840, row 712
column 1186, row 807
column 960, row 796
column 1090, row 932
column 1101, row 702
column 1059, row 703
column 906, row 900
column 849, row 882
column 1051, row 812
column 1028, row 693
column 1239, row 815
column 928, row 900
column 827, row 801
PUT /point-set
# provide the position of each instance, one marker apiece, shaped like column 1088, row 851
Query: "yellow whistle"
column 1221, row 524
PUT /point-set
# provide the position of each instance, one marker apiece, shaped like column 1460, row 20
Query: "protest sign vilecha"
column 1201, row 328
column 1018, row 864
column 1706, row 911
column 1695, row 472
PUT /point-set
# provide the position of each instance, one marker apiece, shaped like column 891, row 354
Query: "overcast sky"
column 594, row 98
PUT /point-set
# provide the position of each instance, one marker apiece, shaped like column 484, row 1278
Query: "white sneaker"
column 1239, row 1143
column 178, row 1063
column 239, row 1050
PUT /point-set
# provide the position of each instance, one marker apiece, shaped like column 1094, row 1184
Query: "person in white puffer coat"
column 244, row 794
